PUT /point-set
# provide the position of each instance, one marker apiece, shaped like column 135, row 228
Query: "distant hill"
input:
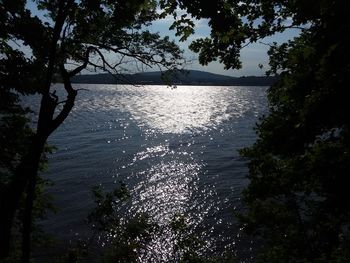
column 190, row 77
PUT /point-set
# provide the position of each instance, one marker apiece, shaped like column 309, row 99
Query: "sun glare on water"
column 173, row 148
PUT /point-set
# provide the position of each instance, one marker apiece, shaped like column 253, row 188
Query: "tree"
column 297, row 198
column 60, row 40
column 127, row 239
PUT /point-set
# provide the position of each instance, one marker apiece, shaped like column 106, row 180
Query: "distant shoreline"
column 191, row 78
column 169, row 85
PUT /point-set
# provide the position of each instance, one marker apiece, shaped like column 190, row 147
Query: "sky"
column 251, row 56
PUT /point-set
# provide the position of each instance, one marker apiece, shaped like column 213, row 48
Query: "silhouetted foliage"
column 124, row 238
column 129, row 238
column 58, row 41
column 190, row 248
column 297, row 199
column 15, row 138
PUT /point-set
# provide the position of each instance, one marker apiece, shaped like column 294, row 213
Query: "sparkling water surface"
column 175, row 149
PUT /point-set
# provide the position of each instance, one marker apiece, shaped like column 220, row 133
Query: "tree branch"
column 84, row 65
column 69, row 103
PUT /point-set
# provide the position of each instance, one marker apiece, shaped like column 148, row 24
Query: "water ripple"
column 176, row 149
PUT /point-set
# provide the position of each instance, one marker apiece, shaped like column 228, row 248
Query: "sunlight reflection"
column 182, row 110
column 164, row 190
column 174, row 149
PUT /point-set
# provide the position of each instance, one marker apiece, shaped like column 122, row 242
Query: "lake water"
column 175, row 149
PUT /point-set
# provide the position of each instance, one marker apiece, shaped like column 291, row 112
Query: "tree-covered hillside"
column 189, row 77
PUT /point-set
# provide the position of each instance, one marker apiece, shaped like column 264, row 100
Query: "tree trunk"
column 26, row 170
column 28, row 220
column 26, row 173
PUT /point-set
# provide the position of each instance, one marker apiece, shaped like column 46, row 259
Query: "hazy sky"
column 251, row 56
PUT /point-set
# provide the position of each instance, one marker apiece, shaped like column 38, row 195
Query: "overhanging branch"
column 69, row 103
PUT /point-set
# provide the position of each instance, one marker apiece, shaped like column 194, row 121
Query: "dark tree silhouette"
column 34, row 51
column 298, row 194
